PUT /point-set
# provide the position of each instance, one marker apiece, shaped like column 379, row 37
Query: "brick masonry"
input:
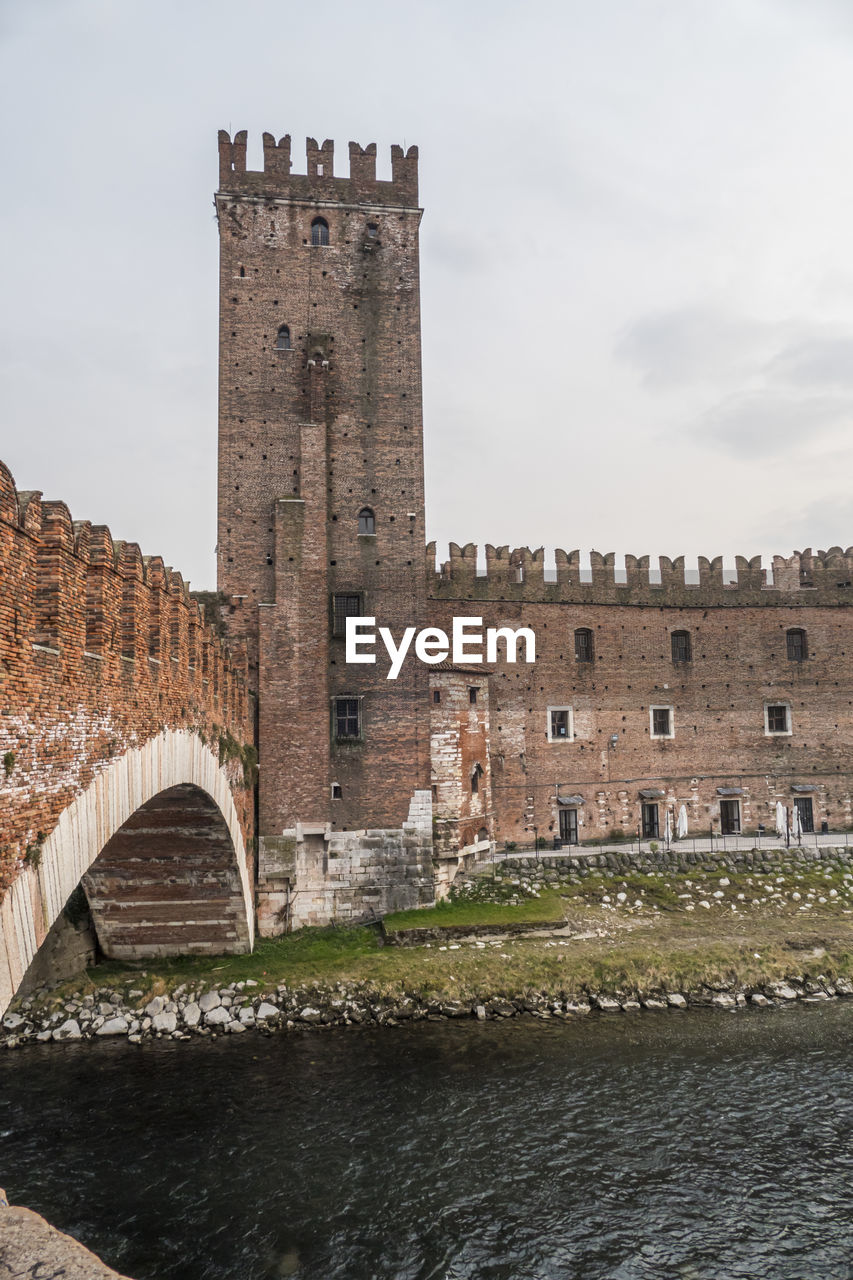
column 105, row 661
column 317, row 427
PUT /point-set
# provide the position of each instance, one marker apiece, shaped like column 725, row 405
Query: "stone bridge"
column 125, row 767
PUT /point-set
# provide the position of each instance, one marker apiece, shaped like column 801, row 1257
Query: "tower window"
column 372, row 230
column 661, row 722
column 472, row 695
column 436, row 695
column 796, row 644
column 319, row 231
column 475, row 779
column 584, row 650
column 282, row 339
column 347, row 718
column 681, row 651
column 344, row 605
column 366, row 521
column 777, row 718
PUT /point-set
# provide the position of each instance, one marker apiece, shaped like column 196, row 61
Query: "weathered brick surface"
column 461, row 747
column 739, row 663
column 307, row 438
column 101, row 649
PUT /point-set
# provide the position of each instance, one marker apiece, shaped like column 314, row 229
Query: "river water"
column 700, row 1146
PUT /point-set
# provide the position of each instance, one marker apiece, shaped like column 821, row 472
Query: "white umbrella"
column 682, row 822
column 796, row 824
column 667, row 831
column 781, row 819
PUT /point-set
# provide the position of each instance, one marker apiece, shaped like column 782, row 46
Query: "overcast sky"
column 636, row 256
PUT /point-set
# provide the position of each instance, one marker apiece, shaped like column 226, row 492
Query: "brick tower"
column 321, row 501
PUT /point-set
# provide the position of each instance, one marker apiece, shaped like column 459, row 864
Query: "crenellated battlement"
column 73, row 596
column 318, row 183
column 804, row 578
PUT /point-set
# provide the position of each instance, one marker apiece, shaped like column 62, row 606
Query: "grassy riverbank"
column 634, row 933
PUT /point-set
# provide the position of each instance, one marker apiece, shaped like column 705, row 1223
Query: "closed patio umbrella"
column 781, row 819
column 682, row 822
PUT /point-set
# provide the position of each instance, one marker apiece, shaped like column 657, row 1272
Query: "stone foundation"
column 316, row 876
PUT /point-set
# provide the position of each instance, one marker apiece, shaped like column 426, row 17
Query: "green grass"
column 545, row 909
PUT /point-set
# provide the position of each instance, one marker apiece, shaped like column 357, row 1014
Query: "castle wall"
column 719, row 750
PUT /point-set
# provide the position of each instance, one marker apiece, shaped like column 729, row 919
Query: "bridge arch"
column 174, row 768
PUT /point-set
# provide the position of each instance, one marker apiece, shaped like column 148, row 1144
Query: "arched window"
column 796, row 643
column 584, row 649
column 366, row 521
column 282, row 339
column 681, row 650
column 319, row 231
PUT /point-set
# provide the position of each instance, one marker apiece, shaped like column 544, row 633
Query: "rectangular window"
column 344, row 605
column 661, row 722
column 583, row 645
column 472, row 695
column 796, row 643
column 436, row 695
column 347, row 718
column 681, row 646
column 730, row 817
column 560, row 724
column 777, row 718
column 337, row 791
column 569, row 826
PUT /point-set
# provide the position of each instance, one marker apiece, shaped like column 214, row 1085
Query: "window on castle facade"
column 777, row 718
column 681, row 650
column 661, row 722
column 584, row 648
column 282, row 339
column 366, row 521
column 472, row 695
column 475, row 779
column 795, row 640
column 560, row 724
column 344, row 605
column 319, row 231
column 347, row 716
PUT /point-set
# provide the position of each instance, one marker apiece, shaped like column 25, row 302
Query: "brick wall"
column 100, row 649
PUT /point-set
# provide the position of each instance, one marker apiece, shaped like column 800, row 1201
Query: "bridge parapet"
column 101, row 650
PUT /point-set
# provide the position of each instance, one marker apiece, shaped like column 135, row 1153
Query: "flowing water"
column 692, row 1147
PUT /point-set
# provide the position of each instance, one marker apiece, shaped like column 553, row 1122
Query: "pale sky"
column 636, row 256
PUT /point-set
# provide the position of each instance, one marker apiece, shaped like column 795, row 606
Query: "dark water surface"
column 691, row 1147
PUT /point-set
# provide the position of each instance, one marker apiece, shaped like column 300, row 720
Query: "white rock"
column 759, row 999
column 651, row 1003
column 235, row 1027
column 12, row 1021
column 723, row 1000
column 784, row 992
column 210, row 1000
column 308, row 1014
column 191, row 1014
column 247, row 1017
column 113, row 1027
column 155, row 1006
column 216, row 1017
column 676, row 1001
column 265, row 1011
column 165, row 1021
column 69, row 1030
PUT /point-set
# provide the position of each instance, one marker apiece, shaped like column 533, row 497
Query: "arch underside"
column 156, row 832
column 167, row 883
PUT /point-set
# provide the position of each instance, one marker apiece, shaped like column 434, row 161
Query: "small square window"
column 347, row 714
column 777, row 718
column 344, row 605
column 661, row 722
column 560, row 724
